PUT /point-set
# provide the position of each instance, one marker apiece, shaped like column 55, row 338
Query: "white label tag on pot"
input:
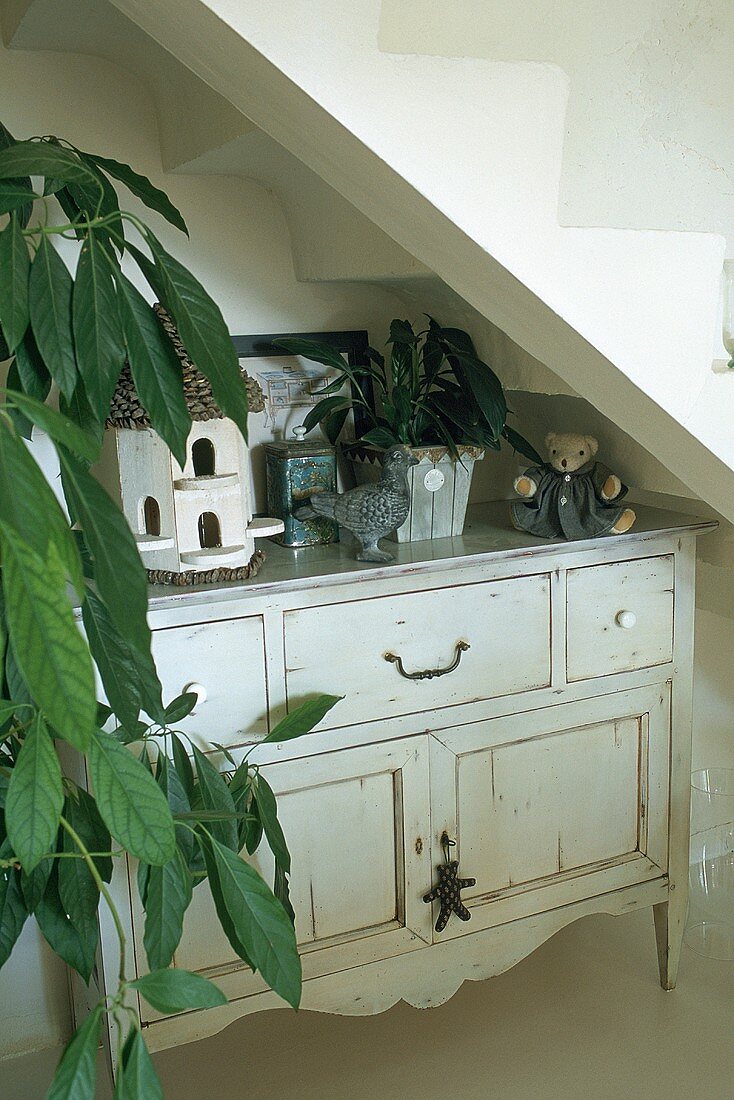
column 433, row 480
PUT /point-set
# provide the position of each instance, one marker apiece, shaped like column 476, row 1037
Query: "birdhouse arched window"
column 203, row 457
column 151, row 516
column 210, row 533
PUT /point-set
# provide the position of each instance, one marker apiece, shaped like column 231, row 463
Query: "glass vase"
column 710, row 926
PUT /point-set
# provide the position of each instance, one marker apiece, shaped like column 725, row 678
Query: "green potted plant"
column 165, row 804
column 436, row 396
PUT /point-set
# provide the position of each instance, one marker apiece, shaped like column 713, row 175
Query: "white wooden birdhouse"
column 195, row 518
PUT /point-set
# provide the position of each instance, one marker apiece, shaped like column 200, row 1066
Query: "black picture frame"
column 352, row 342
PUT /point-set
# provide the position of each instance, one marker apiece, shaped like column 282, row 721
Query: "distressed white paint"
column 564, row 799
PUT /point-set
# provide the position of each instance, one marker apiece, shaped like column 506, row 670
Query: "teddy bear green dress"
column 568, row 505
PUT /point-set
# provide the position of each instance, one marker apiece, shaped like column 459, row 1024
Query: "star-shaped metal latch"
column 447, row 891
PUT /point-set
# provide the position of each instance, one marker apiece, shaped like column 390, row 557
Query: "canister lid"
column 299, row 447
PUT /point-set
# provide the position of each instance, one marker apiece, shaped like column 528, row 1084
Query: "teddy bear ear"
column 550, row 439
column 592, row 444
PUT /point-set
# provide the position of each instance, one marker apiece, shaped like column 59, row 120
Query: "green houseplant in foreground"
column 180, row 818
column 433, row 394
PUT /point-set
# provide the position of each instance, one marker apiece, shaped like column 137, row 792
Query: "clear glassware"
column 728, row 312
column 710, row 926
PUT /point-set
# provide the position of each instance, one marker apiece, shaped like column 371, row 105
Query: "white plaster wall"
column 240, row 250
column 651, row 97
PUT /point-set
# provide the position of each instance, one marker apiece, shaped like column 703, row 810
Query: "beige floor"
column 581, row 1019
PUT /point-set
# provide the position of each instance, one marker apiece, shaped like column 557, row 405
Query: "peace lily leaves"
column 35, row 797
column 13, row 912
column 302, row 719
column 131, row 803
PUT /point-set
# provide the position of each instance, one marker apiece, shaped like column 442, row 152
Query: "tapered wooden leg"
column 670, row 919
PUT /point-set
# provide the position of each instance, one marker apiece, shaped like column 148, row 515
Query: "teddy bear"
column 570, row 496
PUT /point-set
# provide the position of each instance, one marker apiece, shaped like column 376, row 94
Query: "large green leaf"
column 268, row 811
column 50, row 291
column 34, row 377
column 81, row 810
column 55, row 424
column 170, row 991
column 76, row 1074
column 155, row 367
column 313, row 350
column 78, row 409
column 6, row 140
column 34, row 885
column 138, row 1079
column 12, row 907
column 118, row 570
column 141, row 187
column 202, row 329
column 29, row 507
column 215, row 795
column 62, row 937
column 178, row 800
column 113, row 658
column 100, row 351
column 15, row 266
column 519, row 443
column 131, row 804
column 324, row 409
column 259, row 920
column 49, row 648
column 42, row 158
column 77, row 888
column 168, row 892
column 14, row 194
column 35, row 797
column 182, row 763
column 302, row 719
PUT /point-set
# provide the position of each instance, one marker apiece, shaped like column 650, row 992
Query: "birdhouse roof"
column 126, row 410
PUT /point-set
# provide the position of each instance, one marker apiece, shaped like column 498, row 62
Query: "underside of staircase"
column 383, row 178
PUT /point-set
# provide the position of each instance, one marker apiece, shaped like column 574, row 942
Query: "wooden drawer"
column 620, row 617
column 342, row 647
column 228, row 660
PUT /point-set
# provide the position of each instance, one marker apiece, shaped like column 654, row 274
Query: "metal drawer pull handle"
column 626, row 619
column 429, row 673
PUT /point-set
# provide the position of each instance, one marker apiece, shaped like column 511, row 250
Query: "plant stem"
column 102, row 887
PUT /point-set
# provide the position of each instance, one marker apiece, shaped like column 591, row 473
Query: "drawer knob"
column 199, row 691
column 428, row 673
column 626, row 619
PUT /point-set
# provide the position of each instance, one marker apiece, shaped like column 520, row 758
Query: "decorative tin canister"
column 294, row 471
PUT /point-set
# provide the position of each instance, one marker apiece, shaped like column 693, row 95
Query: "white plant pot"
column 439, row 488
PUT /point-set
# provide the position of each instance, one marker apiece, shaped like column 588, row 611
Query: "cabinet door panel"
column 551, row 806
column 356, row 823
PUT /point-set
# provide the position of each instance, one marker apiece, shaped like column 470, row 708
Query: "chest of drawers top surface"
column 488, row 538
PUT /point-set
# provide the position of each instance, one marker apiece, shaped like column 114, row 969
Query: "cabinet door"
column 554, row 806
column 357, row 826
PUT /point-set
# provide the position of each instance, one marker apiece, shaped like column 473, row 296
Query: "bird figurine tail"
column 320, row 504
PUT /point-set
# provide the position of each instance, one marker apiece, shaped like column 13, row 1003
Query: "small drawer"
column 226, row 663
column 620, row 617
column 494, row 636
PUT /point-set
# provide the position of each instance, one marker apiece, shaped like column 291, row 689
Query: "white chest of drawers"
column 556, row 753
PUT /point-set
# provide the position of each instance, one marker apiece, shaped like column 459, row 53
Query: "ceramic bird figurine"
column 370, row 511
